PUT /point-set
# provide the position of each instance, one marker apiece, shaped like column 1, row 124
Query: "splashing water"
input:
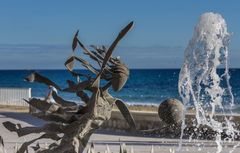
column 199, row 82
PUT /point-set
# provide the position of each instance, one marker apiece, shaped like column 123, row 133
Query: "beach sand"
column 140, row 143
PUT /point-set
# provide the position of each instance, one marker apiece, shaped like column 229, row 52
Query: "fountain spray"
column 200, row 81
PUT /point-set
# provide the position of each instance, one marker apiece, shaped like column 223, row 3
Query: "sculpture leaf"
column 36, row 77
column 126, row 113
column 75, row 41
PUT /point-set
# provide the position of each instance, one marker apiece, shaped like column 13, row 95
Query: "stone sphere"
column 171, row 111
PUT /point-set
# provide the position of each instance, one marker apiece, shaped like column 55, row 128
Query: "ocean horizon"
column 144, row 86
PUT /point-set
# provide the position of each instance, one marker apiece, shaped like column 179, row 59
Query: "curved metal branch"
column 87, row 65
column 36, row 77
column 108, row 55
column 25, row 145
column 69, row 64
column 85, row 50
column 62, row 102
column 126, row 113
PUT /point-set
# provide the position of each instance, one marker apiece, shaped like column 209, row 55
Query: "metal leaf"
column 61, row 101
column 87, row 65
column 84, row 85
column 72, row 87
column 35, row 148
column 126, row 114
column 25, row 145
column 75, row 41
column 36, row 77
column 87, row 52
column 62, row 118
column 41, row 105
column 69, row 63
column 122, row 33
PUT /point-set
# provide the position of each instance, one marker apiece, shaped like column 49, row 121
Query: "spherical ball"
column 171, row 111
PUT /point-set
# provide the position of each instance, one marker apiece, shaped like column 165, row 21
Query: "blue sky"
column 38, row 34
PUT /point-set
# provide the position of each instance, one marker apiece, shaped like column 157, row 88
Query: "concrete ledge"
column 12, row 108
column 151, row 120
column 144, row 120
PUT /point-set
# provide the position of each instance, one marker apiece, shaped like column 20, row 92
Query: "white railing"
column 14, row 96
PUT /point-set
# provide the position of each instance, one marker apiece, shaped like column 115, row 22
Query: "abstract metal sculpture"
column 78, row 122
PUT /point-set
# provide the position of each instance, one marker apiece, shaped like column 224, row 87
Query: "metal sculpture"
column 78, row 122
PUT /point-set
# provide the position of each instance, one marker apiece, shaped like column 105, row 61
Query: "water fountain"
column 202, row 84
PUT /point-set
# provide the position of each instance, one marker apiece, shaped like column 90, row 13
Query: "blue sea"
column 144, row 86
